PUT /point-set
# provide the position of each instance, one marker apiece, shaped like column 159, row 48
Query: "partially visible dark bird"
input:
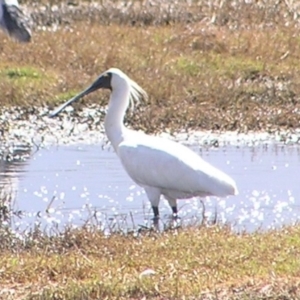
column 14, row 21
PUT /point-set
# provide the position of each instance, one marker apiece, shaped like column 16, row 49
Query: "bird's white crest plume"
column 160, row 166
column 136, row 94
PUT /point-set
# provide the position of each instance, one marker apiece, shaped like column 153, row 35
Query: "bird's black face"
column 103, row 82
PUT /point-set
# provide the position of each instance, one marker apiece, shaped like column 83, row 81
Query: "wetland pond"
column 65, row 185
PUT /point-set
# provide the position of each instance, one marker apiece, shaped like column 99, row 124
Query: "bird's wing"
column 171, row 166
column 15, row 22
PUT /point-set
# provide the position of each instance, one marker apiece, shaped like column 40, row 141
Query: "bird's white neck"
column 114, row 119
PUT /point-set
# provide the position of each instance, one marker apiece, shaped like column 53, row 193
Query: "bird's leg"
column 156, row 216
column 173, row 204
column 175, row 212
column 154, row 197
column 155, row 212
column 174, row 209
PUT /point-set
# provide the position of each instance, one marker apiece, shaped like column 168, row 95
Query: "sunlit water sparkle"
column 86, row 184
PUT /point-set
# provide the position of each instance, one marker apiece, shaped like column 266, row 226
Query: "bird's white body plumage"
column 161, row 166
column 174, row 169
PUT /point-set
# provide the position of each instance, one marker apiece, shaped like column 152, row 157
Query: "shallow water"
column 76, row 184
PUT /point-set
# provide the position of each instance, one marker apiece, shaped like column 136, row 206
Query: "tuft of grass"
column 24, row 73
column 187, row 67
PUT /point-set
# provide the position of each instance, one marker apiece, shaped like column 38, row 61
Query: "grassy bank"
column 191, row 263
column 203, row 75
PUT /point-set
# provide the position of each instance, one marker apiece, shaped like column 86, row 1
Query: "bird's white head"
column 113, row 79
column 121, row 83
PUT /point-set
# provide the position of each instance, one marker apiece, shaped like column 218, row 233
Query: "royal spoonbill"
column 160, row 166
column 13, row 21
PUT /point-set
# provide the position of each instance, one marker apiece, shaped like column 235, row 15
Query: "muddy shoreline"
column 23, row 132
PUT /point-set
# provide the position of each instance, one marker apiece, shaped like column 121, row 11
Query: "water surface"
column 85, row 183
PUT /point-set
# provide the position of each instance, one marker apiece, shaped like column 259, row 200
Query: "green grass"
column 24, row 73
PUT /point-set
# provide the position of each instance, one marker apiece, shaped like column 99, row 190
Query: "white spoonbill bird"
column 160, row 166
column 13, row 21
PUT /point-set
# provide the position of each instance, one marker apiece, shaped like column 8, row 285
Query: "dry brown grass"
column 191, row 263
column 208, row 74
